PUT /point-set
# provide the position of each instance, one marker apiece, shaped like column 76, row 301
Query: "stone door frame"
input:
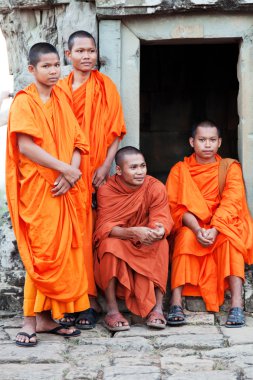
column 119, row 45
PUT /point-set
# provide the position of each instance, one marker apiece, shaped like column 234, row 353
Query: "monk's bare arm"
column 205, row 237
column 38, row 155
column 103, row 171
column 143, row 235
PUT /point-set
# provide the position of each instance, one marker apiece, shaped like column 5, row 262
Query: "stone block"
column 229, row 352
column 234, row 337
column 54, row 371
column 190, row 341
column 204, row 375
column 248, row 373
column 248, row 288
column 132, row 372
column 42, row 353
column 144, row 331
column 171, row 365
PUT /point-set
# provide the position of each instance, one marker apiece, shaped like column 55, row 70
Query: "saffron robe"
column 194, row 188
column 138, row 268
column 97, row 107
column 47, row 229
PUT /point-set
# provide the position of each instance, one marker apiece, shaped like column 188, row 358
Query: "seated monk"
column 213, row 228
column 132, row 252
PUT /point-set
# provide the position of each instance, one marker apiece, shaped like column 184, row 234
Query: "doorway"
column 180, row 85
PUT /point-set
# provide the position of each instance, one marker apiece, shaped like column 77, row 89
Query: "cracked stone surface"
column 193, row 351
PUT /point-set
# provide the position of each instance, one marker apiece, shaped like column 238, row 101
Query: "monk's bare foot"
column 45, row 323
column 156, row 317
column 114, row 321
column 29, row 328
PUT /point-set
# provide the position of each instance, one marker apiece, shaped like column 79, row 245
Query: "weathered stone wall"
column 24, row 23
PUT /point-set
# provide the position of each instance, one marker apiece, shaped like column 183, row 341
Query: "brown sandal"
column 156, row 315
column 111, row 321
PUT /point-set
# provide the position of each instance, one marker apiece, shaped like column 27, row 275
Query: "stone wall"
column 24, row 23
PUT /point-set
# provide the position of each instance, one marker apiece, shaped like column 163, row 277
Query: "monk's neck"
column 43, row 91
column 79, row 78
column 201, row 161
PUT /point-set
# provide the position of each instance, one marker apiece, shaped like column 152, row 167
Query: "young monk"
column 45, row 196
column 130, row 239
column 97, row 106
column 213, row 228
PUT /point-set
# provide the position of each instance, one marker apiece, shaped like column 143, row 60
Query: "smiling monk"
column 213, row 228
column 96, row 103
column 130, row 240
column 45, row 197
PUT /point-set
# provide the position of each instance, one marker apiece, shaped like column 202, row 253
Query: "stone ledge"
column 118, row 9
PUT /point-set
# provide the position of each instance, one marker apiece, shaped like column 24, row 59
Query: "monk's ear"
column 31, row 69
column 191, row 139
column 220, row 141
column 118, row 170
column 67, row 54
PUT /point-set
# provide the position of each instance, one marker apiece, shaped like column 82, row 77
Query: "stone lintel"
column 7, row 6
column 118, row 9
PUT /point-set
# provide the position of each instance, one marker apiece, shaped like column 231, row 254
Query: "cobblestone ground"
column 202, row 349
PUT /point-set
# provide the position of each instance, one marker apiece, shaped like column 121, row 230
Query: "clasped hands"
column 206, row 237
column 146, row 235
column 66, row 180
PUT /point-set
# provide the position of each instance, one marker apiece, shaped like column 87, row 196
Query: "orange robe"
column 194, row 188
column 97, row 107
column 48, row 229
column 138, row 268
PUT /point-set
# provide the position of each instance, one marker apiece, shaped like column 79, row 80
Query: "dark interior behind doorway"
column 179, row 85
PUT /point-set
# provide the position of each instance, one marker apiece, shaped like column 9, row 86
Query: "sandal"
column 73, row 316
column 153, row 315
column 89, row 315
column 176, row 316
column 26, row 344
column 235, row 318
column 111, row 321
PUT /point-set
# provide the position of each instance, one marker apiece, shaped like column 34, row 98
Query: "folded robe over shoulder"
column 48, row 229
column 139, row 267
column 97, row 107
column 194, row 187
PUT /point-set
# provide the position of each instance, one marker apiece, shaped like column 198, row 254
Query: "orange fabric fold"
column 98, row 109
column 48, row 230
column 194, row 188
column 139, row 269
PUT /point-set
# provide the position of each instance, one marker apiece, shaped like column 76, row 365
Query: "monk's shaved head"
column 79, row 34
column 126, row 151
column 38, row 50
column 205, row 124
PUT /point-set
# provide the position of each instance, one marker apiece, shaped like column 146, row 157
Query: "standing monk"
column 130, row 240
column 96, row 104
column 213, row 228
column 45, row 198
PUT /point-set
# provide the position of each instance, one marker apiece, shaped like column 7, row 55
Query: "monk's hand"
column 158, row 232
column 61, row 186
column 211, row 234
column 71, row 174
column 142, row 235
column 100, row 176
column 201, row 235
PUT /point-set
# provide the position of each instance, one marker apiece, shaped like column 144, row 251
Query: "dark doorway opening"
column 182, row 84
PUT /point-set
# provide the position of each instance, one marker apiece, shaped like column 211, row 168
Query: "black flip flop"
column 175, row 311
column 69, row 323
column 26, row 344
column 57, row 332
column 236, row 318
column 91, row 315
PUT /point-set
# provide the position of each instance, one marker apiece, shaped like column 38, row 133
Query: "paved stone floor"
column 202, row 349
